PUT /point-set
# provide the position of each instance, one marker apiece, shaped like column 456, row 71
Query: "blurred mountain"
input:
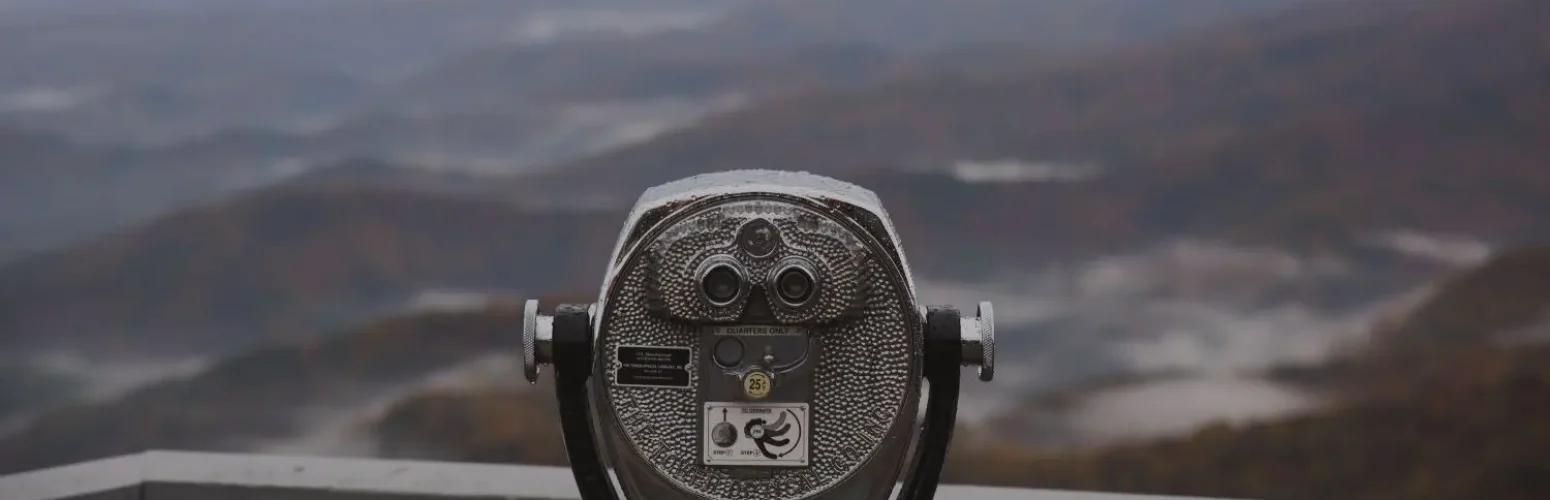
column 1256, row 128
column 157, row 112
column 55, row 191
column 984, row 119
column 679, row 64
column 270, row 397
column 198, row 41
column 356, row 173
column 497, row 140
column 1498, row 304
column 772, row 48
column 1474, row 430
column 1507, row 299
column 42, row 178
column 1209, row 160
column 1474, row 408
column 303, row 66
column 500, row 88
column 926, row 24
column 1501, row 303
column 285, row 262
column 339, row 245
column 150, row 73
column 361, row 396
column 1475, row 404
column 321, row 253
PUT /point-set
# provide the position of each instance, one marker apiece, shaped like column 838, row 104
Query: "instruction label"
column 757, row 330
column 646, row 366
column 756, row 434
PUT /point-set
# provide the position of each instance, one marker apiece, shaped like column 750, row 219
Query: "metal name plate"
column 648, row 366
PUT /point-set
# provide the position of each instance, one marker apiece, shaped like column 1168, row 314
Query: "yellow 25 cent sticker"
column 756, row 385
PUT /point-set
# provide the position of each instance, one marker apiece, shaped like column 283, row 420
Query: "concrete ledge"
column 172, row 475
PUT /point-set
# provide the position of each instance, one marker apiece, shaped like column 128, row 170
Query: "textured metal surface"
column 742, row 181
column 861, row 203
column 863, row 315
column 147, row 476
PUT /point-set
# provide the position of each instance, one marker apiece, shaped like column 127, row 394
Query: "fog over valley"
column 1175, row 336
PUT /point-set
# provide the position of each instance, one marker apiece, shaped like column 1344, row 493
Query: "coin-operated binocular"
column 758, row 337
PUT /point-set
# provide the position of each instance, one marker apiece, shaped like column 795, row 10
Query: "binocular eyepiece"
column 757, row 336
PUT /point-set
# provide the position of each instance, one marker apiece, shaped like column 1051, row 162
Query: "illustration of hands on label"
column 771, row 434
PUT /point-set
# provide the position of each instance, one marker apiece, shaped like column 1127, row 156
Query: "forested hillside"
column 283, row 264
column 264, row 394
column 1335, row 116
column 1469, row 420
column 1451, row 404
column 1475, row 430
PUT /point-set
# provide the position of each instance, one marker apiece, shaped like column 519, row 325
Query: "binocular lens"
column 721, row 284
column 794, row 285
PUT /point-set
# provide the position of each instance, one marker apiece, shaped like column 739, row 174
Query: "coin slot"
column 790, row 345
column 729, row 352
